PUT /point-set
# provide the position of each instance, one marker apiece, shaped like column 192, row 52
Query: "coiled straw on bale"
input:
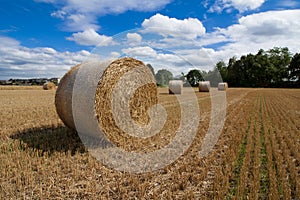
column 222, row 86
column 175, row 86
column 140, row 102
column 49, row 86
column 204, row 86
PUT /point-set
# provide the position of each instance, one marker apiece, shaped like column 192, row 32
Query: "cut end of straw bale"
column 175, row 86
column 204, row 86
column 143, row 98
column 49, row 86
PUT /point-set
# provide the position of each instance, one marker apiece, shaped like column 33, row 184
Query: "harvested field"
column 256, row 157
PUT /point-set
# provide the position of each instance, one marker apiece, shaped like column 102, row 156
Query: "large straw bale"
column 143, row 98
column 63, row 97
column 222, row 86
column 175, row 86
column 204, row 86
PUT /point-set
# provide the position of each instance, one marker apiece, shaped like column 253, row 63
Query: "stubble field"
column 257, row 155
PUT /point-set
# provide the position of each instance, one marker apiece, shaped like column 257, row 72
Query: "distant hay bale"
column 204, row 86
column 49, row 86
column 143, row 98
column 175, row 86
column 222, row 86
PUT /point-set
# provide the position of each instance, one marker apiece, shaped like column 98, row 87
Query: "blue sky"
column 44, row 38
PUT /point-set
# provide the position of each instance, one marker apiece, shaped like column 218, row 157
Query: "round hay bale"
column 49, row 86
column 140, row 102
column 222, row 86
column 204, row 86
column 175, row 86
column 63, row 97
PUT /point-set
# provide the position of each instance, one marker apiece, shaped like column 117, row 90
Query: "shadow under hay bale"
column 49, row 140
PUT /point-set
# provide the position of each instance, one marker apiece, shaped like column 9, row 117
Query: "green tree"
column 233, row 72
column 151, row 68
column 280, row 59
column 163, row 77
column 262, row 69
column 222, row 68
column 193, row 77
column 294, row 67
column 214, row 77
column 266, row 68
column 182, row 77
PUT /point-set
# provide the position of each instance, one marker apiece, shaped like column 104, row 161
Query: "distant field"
column 257, row 155
column 16, row 87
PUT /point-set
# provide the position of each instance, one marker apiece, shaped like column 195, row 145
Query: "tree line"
column 276, row 67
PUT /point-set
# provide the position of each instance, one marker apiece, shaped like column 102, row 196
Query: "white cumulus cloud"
column 159, row 60
column 265, row 30
column 90, row 37
column 141, row 51
column 80, row 15
column 17, row 61
column 189, row 28
column 240, row 5
column 134, row 38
